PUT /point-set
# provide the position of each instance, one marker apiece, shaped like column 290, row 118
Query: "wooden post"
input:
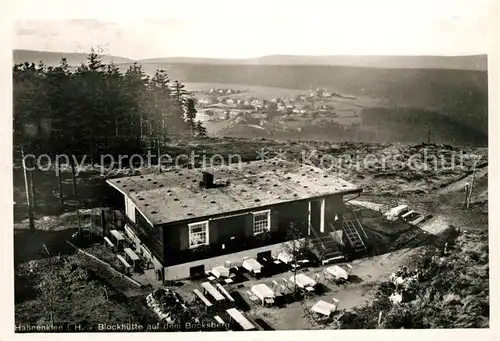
column 379, row 319
column 28, row 194
column 466, row 199
column 471, row 185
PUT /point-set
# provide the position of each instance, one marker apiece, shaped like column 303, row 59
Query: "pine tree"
column 179, row 92
column 134, row 88
column 94, row 108
column 191, row 114
column 200, row 129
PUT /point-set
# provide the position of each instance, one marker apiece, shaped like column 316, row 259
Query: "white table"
column 208, row 287
column 224, row 291
column 131, row 254
column 242, row 320
column 303, row 281
column 252, row 265
column 337, row 272
column 118, row 236
column 323, row 308
column 285, row 257
column 262, row 291
column 220, row 271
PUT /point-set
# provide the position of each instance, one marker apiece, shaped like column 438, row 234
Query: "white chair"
column 252, row 297
column 335, row 303
column 283, row 289
column 349, row 267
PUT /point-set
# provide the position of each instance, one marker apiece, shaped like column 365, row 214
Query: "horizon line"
column 262, row 56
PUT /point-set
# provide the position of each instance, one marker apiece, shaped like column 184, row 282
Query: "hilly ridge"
column 476, row 62
column 54, row 58
column 470, row 62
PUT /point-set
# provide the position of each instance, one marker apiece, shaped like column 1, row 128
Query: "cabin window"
column 198, row 234
column 261, row 221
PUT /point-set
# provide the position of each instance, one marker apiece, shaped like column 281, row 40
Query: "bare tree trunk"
column 59, row 183
column 131, row 124
column 103, row 222
column 28, row 194
column 73, row 177
column 32, row 188
column 79, row 223
column 159, row 156
column 140, row 118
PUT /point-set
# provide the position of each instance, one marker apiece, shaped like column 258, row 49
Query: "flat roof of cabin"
column 177, row 195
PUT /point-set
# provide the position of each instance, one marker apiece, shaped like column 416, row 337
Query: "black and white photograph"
column 251, row 173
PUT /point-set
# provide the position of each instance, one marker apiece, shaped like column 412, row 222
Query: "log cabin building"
column 187, row 221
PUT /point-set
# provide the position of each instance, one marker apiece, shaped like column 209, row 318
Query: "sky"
column 351, row 28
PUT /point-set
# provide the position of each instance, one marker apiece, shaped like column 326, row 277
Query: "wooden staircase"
column 325, row 247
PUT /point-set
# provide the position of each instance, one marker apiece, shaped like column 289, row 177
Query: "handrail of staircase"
column 316, row 236
column 345, row 224
column 359, row 223
column 335, row 236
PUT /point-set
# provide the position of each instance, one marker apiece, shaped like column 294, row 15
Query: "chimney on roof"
column 208, row 180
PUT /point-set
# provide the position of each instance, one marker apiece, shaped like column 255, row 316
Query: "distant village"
column 224, row 104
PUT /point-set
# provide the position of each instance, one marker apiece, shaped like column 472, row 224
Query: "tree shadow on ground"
column 42, row 244
column 263, row 324
column 322, row 289
column 354, row 279
column 240, row 301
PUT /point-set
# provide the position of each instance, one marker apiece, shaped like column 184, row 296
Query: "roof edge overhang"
column 128, row 196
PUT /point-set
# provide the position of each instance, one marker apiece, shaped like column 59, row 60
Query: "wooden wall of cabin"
column 229, row 233
column 150, row 236
column 334, row 206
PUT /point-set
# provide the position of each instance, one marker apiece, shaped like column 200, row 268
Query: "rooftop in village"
column 184, row 194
